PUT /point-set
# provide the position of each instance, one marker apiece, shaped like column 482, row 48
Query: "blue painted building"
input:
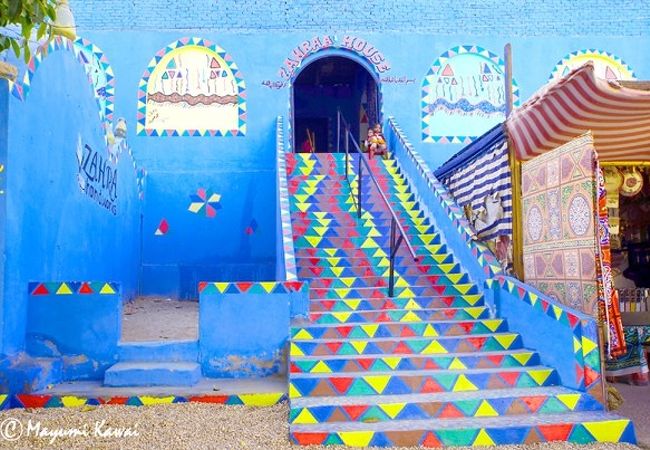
column 189, row 193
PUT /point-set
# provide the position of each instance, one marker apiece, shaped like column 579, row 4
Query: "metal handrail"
column 395, row 224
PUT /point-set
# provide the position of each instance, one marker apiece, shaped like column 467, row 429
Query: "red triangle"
column 377, row 294
column 510, row 377
column 431, row 441
column 450, row 313
column 496, row 359
column 424, row 269
column 326, row 282
column 388, row 304
column 407, row 331
column 85, row 288
column 556, row 432
column 365, row 362
column 309, row 438
column 243, row 286
column 467, row 326
column 317, row 271
column 344, row 331
column 383, row 317
column 430, row 386
column 448, row 300
column 450, row 412
column 294, row 286
column 534, row 402
column 572, row 319
column 591, row 376
column 333, row 346
column 477, row 342
column 440, row 289
column 314, row 261
column 433, row 279
column 402, row 348
column 293, row 368
column 33, row 401
column 341, row 384
column 431, row 364
column 41, row 290
column 328, row 304
column 202, row 285
column 580, row 374
column 220, row 399
column 355, row 411
column 118, row 400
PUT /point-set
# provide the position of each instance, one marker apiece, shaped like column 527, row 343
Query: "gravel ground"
column 155, row 319
column 183, row 426
column 637, row 407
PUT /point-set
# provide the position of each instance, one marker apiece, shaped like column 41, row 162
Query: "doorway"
column 322, row 88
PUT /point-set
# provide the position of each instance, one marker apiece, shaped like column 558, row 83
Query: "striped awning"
column 617, row 116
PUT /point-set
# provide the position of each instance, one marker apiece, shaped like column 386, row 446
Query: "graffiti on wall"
column 97, row 177
column 192, row 88
column 463, row 95
column 606, row 65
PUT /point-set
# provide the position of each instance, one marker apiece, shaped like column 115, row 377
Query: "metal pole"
column 508, row 79
column 391, row 255
column 359, row 189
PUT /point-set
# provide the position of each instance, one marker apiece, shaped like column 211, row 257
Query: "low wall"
column 78, row 322
column 244, row 326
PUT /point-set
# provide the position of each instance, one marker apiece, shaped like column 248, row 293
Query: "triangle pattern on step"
column 429, row 366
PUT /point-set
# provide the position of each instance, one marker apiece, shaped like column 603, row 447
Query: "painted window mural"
column 606, row 65
column 463, row 95
column 192, row 88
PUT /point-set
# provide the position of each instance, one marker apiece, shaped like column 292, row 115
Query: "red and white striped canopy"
column 618, row 117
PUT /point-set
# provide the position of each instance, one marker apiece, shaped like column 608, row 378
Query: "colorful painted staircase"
column 430, row 366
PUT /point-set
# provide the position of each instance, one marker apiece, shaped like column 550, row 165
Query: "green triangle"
column 360, row 387
column 553, row 405
column 580, row 435
column 380, row 365
column 333, row 439
column 374, row 414
column 347, row 349
column 468, row 407
column 458, row 438
column 446, row 380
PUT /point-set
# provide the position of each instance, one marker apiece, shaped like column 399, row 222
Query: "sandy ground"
column 155, row 319
column 181, row 426
column 637, row 407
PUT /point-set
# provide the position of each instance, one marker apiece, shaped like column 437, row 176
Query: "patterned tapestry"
column 559, row 197
column 566, row 238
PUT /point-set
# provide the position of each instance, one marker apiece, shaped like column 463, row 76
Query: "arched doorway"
column 329, row 84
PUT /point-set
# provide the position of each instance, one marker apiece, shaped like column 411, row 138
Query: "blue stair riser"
column 414, row 303
column 399, row 292
column 308, row 271
column 479, row 312
column 159, row 351
column 163, row 374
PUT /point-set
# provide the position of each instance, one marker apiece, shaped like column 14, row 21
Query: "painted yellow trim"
column 517, row 219
column 625, row 163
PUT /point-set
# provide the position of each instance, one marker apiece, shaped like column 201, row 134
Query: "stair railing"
column 395, row 225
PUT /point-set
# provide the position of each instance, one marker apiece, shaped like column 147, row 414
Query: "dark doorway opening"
column 326, row 86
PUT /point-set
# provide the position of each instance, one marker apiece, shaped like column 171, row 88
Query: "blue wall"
column 54, row 231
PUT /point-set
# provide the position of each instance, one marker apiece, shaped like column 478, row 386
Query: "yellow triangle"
column 337, row 270
column 302, row 206
column 540, row 375
column 301, row 198
column 463, row 288
column 475, row 311
column 356, row 438
column 268, row 286
column 359, row 346
column 463, row 384
column 392, row 409
column 533, row 298
column 70, row 401
column 149, row 400
column 505, row 340
column 588, row 345
column 65, row 290
column 221, row 287
column 330, row 251
column 429, row 331
column 472, row 299
column 410, row 317
column 309, row 190
column 305, row 417
column 483, row 439
column 523, row 358
column 608, row 430
column 320, row 367
column 427, row 238
column 485, row 410
column 348, row 281
column 261, row 398
column 433, row 348
column 456, row 364
column 412, row 304
column 334, row 261
column 342, row 292
column 492, row 324
column 341, row 316
column 406, row 293
column 313, row 240
column 558, row 311
column 383, row 262
column 320, row 230
column 294, row 350
column 369, row 243
column 391, row 361
column 378, row 382
column 577, row 346
column 324, row 222
column 370, row 329
column 401, row 282
column 368, row 223
column 303, row 334
column 293, row 392
column 569, row 400
column 320, row 214
column 379, row 253
column 446, row 267
column 352, row 304
column 373, row 233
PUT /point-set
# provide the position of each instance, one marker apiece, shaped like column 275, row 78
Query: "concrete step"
column 383, row 281
column 418, row 345
column 576, row 427
column 398, row 329
column 420, row 250
column 361, row 259
column 170, row 351
column 418, row 381
column 400, row 315
column 440, row 405
column 366, row 270
column 398, row 362
column 313, row 240
column 399, row 292
column 413, row 303
column 151, row 373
